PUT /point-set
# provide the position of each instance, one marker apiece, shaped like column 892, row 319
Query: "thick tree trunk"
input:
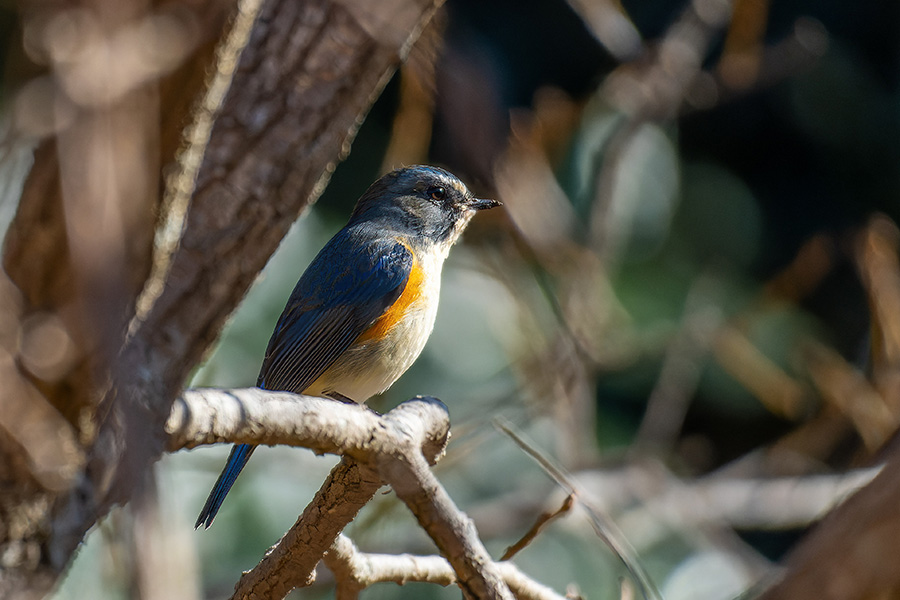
column 138, row 316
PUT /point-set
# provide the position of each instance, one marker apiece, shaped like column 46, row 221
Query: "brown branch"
column 451, row 530
column 879, row 267
column 603, row 525
column 255, row 416
column 292, row 561
column 355, row 571
column 252, row 415
column 843, row 558
column 542, row 520
column 395, row 448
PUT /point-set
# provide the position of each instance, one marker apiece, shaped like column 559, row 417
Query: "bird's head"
column 421, row 202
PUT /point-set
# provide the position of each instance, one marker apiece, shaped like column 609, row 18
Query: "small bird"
column 362, row 311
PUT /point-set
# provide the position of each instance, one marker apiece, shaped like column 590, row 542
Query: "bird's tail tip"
column 239, row 456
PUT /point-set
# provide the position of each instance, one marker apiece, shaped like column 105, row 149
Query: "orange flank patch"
column 395, row 312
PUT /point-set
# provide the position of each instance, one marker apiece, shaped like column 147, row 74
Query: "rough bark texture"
column 301, row 87
column 451, row 530
column 292, row 562
column 396, row 448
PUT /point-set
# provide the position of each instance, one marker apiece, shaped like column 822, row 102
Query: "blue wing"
column 346, row 288
column 343, row 292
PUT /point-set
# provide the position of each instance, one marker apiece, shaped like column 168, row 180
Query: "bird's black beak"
column 484, row 204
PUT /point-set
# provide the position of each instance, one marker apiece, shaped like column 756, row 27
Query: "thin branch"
column 542, row 520
column 637, row 493
column 355, row 570
column 604, row 526
column 679, row 376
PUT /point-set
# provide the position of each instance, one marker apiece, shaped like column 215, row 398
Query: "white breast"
column 371, row 367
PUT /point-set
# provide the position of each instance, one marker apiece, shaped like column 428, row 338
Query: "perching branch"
column 256, row 416
column 395, row 448
column 252, row 415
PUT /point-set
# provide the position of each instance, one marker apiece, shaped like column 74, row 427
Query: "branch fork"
column 396, row 448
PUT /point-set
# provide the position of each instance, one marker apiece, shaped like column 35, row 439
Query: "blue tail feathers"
column 239, row 456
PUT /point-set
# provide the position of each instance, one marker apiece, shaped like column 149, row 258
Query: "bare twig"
column 542, row 520
column 605, row 528
column 422, row 423
column 879, row 267
column 730, row 498
column 844, row 386
column 611, row 26
column 653, row 92
column 355, row 570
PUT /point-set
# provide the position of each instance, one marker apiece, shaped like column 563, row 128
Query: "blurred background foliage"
column 691, row 285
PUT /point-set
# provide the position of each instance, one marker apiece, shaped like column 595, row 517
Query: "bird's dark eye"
column 436, row 193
